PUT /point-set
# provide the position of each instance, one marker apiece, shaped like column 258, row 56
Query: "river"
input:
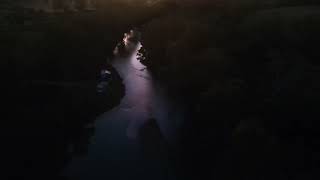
column 135, row 139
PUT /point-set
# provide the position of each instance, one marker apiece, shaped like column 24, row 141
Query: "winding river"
column 134, row 140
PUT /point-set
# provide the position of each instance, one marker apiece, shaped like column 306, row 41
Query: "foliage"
column 251, row 64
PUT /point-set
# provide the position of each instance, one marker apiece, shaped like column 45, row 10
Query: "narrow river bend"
column 133, row 140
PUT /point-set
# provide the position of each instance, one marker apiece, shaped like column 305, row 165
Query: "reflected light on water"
column 144, row 118
column 137, row 102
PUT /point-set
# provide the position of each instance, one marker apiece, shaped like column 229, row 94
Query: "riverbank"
column 136, row 137
column 52, row 121
column 248, row 72
column 50, row 67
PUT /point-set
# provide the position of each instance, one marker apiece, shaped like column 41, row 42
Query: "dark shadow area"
column 246, row 71
column 50, row 70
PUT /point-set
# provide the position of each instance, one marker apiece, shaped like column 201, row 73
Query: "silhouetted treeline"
column 249, row 70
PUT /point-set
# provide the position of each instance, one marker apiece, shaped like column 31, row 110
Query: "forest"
column 248, row 72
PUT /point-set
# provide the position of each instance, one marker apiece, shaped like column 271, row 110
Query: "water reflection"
column 125, row 137
column 139, row 91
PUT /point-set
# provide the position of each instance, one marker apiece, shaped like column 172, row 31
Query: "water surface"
column 133, row 140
